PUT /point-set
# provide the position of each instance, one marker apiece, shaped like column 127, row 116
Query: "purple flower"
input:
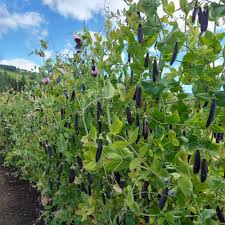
column 76, row 38
column 47, row 80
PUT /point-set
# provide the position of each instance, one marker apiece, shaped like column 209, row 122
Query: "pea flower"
column 47, row 80
column 78, row 41
column 76, row 38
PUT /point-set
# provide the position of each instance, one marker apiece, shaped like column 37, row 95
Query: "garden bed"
column 19, row 204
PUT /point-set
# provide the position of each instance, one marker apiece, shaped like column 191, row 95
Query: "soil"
column 19, row 203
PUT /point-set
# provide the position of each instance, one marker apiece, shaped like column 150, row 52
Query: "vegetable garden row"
column 117, row 140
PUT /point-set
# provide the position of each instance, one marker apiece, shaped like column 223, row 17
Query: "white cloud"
column 14, row 21
column 85, row 9
column 49, row 54
column 44, row 33
column 67, row 52
column 21, row 64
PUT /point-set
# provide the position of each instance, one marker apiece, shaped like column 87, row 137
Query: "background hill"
column 13, row 78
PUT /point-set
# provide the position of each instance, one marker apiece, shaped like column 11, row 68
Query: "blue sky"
column 24, row 22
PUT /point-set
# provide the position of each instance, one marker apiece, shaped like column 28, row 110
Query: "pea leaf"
column 220, row 98
column 216, row 11
column 203, row 96
column 135, row 163
column 116, row 126
column 108, row 90
column 169, row 8
column 119, row 144
column 133, row 135
column 185, row 184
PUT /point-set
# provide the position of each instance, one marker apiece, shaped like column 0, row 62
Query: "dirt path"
column 18, row 203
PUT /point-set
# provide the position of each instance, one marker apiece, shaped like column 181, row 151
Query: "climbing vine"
column 130, row 130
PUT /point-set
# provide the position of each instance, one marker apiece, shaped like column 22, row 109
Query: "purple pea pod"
column 140, row 34
column 155, row 71
column 99, row 150
column 65, row 94
column 78, row 47
column 204, row 170
column 211, row 113
column 138, row 96
column 73, row 95
column 49, row 70
column 80, row 163
column 90, row 178
column 204, row 20
column 58, row 80
column 76, row 124
column 71, row 175
column 94, row 70
column 199, row 14
column 129, row 116
column 197, row 162
column 145, row 130
column 144, row 190
column 220, row 215
column 128, row 57
column 146, row 63
column 175, row 53
column 163, row 198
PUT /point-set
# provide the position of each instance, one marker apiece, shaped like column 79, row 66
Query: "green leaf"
column 118, row 145
column 62, row 144
column 93, row 132
column 90, row 165
column 114, row 156
column 62, row 70
column 135, row 163
column 44, row 44
column 185, row 184
column 152, row 88
column 206, row 214
column 173, row 119
column 116, row 126
column 220, row 98
column 108, row 90
column 166, row 46
column 183, row 6
column 134, row 207
column 171, row 134
column 216, row 11
column 203, row 96
column 210, row 222
column 169, row 8
column 216, row 128
column 144, row 150
column 175, row 142
column 133, row 135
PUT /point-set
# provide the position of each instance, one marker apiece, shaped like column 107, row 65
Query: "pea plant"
column 130, row 130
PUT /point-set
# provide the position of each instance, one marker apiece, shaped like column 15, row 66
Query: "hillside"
column 11, row 77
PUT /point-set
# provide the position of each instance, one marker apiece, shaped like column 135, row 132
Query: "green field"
column 11, row 77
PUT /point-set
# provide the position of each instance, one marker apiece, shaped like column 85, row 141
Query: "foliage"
column 44, row 135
